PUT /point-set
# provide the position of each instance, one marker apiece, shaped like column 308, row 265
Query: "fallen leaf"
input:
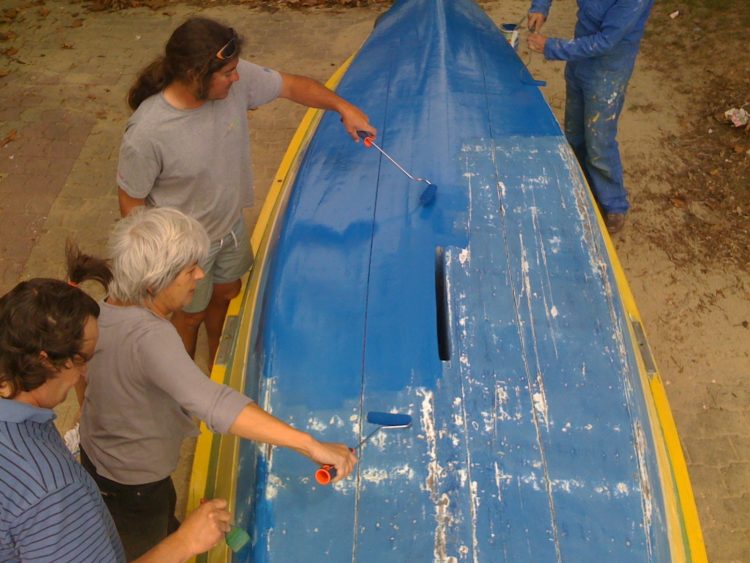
column 4, row 72
column 76, row 23
column 91, row 97
column 8, row 36
column 67, row 45
column 44, row 12
column 9, row 138
column 10, row 13
column 678, row 201
column 10, row 51
column 739, row 149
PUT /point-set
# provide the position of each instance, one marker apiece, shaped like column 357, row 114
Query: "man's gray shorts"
column 227, row 261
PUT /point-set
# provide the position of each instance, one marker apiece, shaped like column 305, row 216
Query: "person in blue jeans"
column 600, row 61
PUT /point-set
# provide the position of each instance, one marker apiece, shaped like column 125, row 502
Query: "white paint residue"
column 464, row 359
column 474, row 487
column 566, row 427
column 540, row 405
column 462, row 476
column 444, row 520
column 566, row 485
column 428, row 425
column 525, row 271
column 489, row 421
column 588, row 427
column 553, row 312
column 378, row 440
column 316, row 425
column 646, row 501
column 622, row 489
column 266, row 403
column 501, row 479
column 272, row 486
column 374, row 475
column 403, row 471
column 464, row 256
column 336, row 420
column 531, row 479
column 501, row 398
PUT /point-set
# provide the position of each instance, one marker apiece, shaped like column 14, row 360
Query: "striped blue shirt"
column 50, row 508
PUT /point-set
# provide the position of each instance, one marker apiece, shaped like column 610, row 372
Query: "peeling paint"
column 273, row 485
column 444, row 519
column 375, row 475
column 464, row 256
column 640, row 448
column 316, row 424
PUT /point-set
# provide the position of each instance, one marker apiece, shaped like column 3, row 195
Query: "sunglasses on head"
column 229, row 50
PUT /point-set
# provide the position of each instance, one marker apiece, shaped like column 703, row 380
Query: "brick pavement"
column 68, row 73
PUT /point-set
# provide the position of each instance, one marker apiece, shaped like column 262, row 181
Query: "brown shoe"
column 614, row 222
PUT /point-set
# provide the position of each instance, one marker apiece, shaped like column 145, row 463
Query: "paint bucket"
column 510, row 32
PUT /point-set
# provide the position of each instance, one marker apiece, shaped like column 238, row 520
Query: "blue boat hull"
column 493, row 316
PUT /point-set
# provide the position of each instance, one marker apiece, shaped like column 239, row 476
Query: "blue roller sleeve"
column 428, row 195
column 388, row 418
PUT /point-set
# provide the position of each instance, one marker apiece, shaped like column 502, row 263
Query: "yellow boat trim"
column 684, row 529
column 212, row 451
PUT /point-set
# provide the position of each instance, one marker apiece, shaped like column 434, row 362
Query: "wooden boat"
column 497, row 316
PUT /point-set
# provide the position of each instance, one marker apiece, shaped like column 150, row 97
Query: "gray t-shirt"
column 197, row 160
column 142, row 389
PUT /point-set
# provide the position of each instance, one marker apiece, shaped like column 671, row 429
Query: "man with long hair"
column 187, row 146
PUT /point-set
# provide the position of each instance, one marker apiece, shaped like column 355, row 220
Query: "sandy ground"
column 695, row 313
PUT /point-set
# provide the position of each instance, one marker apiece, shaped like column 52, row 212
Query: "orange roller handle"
column 325, row 474
column 366, row 138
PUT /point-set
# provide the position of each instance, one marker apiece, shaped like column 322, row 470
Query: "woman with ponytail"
column 187, row 146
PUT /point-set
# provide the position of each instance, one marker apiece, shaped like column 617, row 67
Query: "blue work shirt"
column 604, row 27
column 51, row 508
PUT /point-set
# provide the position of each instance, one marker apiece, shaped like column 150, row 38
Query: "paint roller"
column 383, row 421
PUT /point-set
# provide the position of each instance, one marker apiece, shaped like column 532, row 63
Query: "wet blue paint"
column 526, row 443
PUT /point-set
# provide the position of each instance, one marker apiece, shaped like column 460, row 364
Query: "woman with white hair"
column 143, row 387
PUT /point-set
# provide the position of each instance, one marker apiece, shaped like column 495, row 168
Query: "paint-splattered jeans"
column 595, row 92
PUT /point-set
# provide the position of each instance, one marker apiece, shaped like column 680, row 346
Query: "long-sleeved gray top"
column 142, row 390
